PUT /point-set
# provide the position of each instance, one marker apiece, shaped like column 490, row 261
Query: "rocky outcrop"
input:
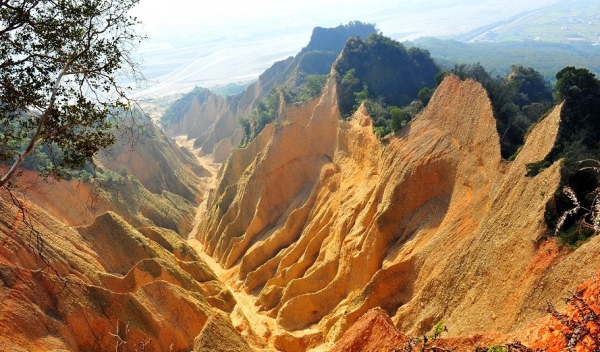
column 218, row 335
column 77, row 203
column 323, row 222
column 157, row 162
column 317, row 222
column 373, row 332
column 102, row 264
column 213, row 121
column 148, row 181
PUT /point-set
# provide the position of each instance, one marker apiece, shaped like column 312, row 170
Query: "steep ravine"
column 317, row 221
column 256, row 328
column 294, row 238
column 110, row 270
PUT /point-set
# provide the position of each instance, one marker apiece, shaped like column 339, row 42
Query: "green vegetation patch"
column 385, row 76
column 497, row 58
column 574, row 211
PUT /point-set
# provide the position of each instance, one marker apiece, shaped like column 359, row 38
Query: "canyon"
column 300, row 233
column 318, row 234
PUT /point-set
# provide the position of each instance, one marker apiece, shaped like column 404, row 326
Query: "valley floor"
column 256, row 327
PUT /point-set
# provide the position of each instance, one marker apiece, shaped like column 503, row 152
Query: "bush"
column 535, row 168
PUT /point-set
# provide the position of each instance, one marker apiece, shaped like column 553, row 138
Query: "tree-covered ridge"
column 574, row 212
column 385, row 75
column 579, row 133
column 334, row 39
column 304, row 77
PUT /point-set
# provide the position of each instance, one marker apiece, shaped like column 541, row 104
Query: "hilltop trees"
column 383, row 74
column 580, row 91
column 519, row 100
column 60, row 61
column 301, row 79
column 575, row 212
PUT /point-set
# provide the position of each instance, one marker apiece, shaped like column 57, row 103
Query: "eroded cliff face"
column 321, row 221
column 107, row 279
column 314, row 224
column 157, row 162
column 212, row 121
column 85, row 267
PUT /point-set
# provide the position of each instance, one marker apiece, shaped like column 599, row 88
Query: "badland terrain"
column 353, row 198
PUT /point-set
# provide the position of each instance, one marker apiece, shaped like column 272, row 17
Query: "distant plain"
column 214, row 52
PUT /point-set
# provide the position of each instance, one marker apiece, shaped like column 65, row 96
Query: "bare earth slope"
column 117, row 280
column 121, row 277
column 212, row 121
column 313, row 225
column 323, row 222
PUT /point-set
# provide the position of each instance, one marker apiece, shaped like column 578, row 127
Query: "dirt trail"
column 256, row 327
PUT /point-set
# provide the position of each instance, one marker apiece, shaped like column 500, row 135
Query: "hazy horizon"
column 233, row 42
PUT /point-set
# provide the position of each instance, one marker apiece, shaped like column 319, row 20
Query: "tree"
column 314, row 85
column 579, row 131
column 425, row 95
column 518, row 100
column 61, row 62
column 399, row 118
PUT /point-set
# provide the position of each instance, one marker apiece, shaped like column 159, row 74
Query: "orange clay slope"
column 321, row 221
column 116, row 277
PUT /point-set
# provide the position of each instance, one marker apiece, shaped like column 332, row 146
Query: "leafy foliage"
column 59, row 64
column 546, row 58
column 425, row 95
column 579, row 131
column 389, row 71
column 427, row 342
column 384, row 75
column 266, row 111
column 333, row 39
column 574, row 213
column 577, row 142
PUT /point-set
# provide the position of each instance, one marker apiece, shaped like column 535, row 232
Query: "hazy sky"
column 194, row 15
column 197, row 43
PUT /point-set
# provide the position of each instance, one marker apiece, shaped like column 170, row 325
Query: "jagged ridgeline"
column 393, row 82
column 519, row 99
column 305, row 75
column 522, row 99
column 294, row 79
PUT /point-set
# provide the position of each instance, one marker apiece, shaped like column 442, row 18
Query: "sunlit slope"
column 94, row 265
column 323, row 222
